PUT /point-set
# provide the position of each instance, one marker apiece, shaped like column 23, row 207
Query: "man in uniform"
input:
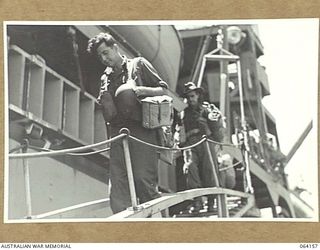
column 200, row 119
column 137, row 78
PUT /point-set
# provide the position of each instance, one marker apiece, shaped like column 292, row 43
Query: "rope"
column 72, row 150
column 65, row 151
column 232, row 166
column 166, row 148
column 15, row 149
column 91, row 153
column 222, row 144
column 75, row 154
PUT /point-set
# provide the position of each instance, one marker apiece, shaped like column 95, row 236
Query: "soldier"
column 123, row 81
column 200, row 119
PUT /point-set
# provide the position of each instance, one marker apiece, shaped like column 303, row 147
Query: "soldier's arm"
column 148, row 91
column 149, row 81
column 215, row 122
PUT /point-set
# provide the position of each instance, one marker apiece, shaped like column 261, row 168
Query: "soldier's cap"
column 189, row 87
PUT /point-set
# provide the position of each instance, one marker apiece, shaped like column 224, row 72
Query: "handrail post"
column 127, row 158
column 26, row 174
column 221, row 198
column 222, row 205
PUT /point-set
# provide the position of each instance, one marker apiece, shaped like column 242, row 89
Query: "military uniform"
column 143, row 158
column 200, row 121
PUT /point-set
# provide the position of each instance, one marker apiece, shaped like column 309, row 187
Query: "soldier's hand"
column 139, row 91
column 214, row 114
column 226, row 160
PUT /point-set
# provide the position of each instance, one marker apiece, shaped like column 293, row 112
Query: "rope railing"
column 65, row 151
column 91, row 153
column 73, row 154
column 72, row 151
column 124, row 136
column 184, row 148
column 167, row 148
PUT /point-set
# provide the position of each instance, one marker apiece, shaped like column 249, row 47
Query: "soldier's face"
column 108, row 56
column 193, row 98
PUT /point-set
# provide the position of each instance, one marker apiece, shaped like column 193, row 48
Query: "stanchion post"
column 26, row 173
column 222, row 206
column 221, row 198
column 212, row 162
column 129, row 169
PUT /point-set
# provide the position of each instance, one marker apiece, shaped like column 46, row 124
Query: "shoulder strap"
column 133, row 68
column 130, row 68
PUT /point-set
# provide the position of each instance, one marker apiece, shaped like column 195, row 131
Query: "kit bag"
column 109, row 109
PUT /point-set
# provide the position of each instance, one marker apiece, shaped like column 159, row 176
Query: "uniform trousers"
column 200, row 169
column 144, row 160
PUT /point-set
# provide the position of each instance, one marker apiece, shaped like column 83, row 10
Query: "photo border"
column 207, row 231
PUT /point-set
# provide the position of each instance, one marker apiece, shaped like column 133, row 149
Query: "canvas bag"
column 105, row 99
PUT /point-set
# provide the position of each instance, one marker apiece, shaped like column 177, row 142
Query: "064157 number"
column 309, row 245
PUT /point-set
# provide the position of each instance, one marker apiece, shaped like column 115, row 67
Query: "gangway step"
column 234, row 205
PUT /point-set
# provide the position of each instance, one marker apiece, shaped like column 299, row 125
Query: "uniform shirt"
column 192, row 124
column 144, row 74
